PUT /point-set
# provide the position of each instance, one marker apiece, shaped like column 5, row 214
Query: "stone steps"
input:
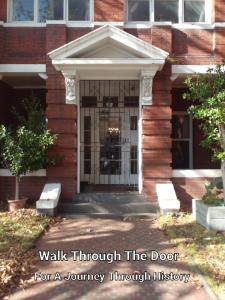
column 109, row 205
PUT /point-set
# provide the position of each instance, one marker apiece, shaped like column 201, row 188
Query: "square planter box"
column 211, row 217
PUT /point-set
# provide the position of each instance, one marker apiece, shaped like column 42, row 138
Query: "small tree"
column 24, row 148
column 207, row 94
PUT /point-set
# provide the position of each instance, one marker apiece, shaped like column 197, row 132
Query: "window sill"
column 173, row 25
column 196, row 173
column 39, row 173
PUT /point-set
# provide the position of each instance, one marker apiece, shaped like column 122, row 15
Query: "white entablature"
column 108, row 53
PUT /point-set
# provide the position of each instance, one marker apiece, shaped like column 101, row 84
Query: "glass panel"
column 180, row 127
column 166, row 11
column 87, row 167
column 109, row 101
column 23, row 10
column 180, row 154
column 79, row 10
column 133, row 123
column 138, row 10
column 133, row 159
column 110, row 152
column 131, row 101
column 50, row 10
column 194, row 10
column 89, row 101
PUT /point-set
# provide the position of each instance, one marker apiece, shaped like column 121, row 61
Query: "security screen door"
column 109, row 113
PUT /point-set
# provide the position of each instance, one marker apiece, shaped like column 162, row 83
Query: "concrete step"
column 109, row 205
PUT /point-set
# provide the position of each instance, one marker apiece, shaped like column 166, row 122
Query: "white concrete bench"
column 49, row 199
column 167, row 198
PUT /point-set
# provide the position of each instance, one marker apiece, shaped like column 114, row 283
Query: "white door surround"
column 109, row 53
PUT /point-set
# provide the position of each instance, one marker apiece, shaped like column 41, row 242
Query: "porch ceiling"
column 23, row 80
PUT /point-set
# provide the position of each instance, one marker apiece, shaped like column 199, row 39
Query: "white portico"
column 113, row 55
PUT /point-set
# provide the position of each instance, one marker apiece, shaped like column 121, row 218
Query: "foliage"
column 201, row 249
column 207, row 94
column 25, row 147
column 24, row 150
column 214, row 192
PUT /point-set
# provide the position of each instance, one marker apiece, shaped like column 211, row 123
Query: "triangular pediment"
column 111, row 43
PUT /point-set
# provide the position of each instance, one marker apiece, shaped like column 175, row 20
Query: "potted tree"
column 24, row 147
column 207, row 94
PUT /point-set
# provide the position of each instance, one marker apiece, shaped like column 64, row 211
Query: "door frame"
column 140, row 175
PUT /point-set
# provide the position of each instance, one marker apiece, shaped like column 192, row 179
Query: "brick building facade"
column 108, row 63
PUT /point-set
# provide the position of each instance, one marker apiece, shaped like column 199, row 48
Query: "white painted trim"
column 102, row 23
column 55, row 22
column 143, row 48
column 107, row 61
column 193, row 26
column 80, row 24
column 39, row 173
column 196, row 173
column 220, row 24
column 190, row 69
column 24, row 24
column 22, row 68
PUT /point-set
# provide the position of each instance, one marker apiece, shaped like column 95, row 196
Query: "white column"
column 146, row 87
column 71, row 83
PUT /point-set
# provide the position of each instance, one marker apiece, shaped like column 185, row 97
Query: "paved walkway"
column 105, row 235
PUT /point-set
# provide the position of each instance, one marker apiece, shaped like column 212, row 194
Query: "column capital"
column 71, row 87
column 146, row 87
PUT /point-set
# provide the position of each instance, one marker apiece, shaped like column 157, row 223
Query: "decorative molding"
column 146, row 87
column 71, row 90
column 196, row 173
column 39, row 173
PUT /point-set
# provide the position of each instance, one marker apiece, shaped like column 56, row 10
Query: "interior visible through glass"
column 194, row 11
column 166, row 11
column 110, row 143
column 23, row 10
column 50, row 10
column 138, row 10
column 79, row 10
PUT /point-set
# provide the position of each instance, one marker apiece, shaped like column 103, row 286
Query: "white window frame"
column 35, row 21
column 190, row 139
column 208, row 15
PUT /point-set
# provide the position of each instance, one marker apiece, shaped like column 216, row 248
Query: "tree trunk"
column 17, row 190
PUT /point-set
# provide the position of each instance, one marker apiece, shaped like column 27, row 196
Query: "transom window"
column 175, row 11
column 42, row 10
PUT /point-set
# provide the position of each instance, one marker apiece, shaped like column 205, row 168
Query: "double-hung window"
column 41, row 10
column 175, row 11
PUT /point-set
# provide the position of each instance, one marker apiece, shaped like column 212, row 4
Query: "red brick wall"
column 193, row 42
column 189, row 188
column 30, row 187
column 109, row 10
column 3, row 10
column 23, row 45
column 61, row 120
column 156, row 135
column 219, row 10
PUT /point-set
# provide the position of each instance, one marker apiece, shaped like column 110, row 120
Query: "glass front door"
column 109, row 132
